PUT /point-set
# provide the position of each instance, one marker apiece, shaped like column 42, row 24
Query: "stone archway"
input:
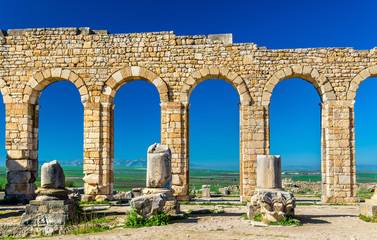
column 311, row 75
column 181, row 169
column 128, row 74
column 22, row 157
column 42, row 79
column 99, row 129
column 215, row 73
column 358, row 79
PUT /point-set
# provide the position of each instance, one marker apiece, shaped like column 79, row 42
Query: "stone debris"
column 369, row 208
column 147, row 205
column 206, row 191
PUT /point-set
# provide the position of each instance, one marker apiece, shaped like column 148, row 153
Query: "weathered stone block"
column 147, row 205
column 268, row 172
column 158, row 166
column 206, row 191
column 22, row 165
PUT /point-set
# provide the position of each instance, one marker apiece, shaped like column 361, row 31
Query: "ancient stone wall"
column 99, row 63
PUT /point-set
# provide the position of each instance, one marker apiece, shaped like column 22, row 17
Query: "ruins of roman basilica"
column 99, row 63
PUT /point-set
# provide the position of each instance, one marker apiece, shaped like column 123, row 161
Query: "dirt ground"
column 319, row 222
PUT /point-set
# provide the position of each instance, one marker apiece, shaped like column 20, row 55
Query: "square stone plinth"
column 369, row 208
column 49, row 213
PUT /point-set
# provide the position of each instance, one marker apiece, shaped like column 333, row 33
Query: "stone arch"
column 311, row 75
column 42, row 79
column 128, row 74
column 216, row 73
column 5, row 92
column 358, row 79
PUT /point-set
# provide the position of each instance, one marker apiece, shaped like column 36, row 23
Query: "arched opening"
column 295, row 132
column 365, row 140
column 137, row 125
column 61, row 130
column 214, row 137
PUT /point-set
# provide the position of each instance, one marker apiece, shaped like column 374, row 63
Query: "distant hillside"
column 140, row 163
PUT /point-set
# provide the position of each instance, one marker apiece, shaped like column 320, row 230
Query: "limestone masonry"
column 99, row 63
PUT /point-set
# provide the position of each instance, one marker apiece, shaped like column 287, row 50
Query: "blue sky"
column 274, row 24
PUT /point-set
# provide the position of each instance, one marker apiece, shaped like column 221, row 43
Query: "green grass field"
column 126, row 178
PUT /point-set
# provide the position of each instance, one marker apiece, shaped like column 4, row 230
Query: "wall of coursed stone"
column 99, row 63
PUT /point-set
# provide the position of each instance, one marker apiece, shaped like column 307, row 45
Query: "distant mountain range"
column 140, row 163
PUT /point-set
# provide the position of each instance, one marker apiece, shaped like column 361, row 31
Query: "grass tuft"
column 368, row 219
column 134, row 220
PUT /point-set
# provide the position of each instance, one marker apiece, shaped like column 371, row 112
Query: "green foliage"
column 306, row 191
column 245, row 216
column 368, row 219
column 134, row 220
column 90, row 229
column 220, row 211
column 94, row 202
column 258, row 217
column 213, row 203
column 287, row 221
column 69, row 183
column 364, row 194
column 306, row 203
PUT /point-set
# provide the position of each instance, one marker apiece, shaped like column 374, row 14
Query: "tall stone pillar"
column 338, row 152
column 254, row 140
column 174, row 133
column 98, row 150
column 22, row 150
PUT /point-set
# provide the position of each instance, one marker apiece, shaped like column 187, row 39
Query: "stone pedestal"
column 273, row 204
column 158, row 195
column 52, row 209
column 270, row 199
column 52, row 215
column 206, row 191
column 172, row 206
column 269, row 172
column 369, row 208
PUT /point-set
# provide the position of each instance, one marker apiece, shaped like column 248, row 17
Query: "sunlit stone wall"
column 99, row 63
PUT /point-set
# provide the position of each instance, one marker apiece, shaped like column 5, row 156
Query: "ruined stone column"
column 158, row 166
column 174, row 133
column 338, row 151
column 22, row 150
column 98, row 150
column 269, row 172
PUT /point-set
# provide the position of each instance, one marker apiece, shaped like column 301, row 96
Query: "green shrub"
column 258, row 217
column 368, row 219
column 94, row 202
column 287, row 221
column 134, row 220
column 69, row 183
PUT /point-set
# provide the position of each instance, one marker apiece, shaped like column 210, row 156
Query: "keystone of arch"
column 42, row 79
column 215, row 73
column 311, row 75
column 358, row 79
column 129, row 74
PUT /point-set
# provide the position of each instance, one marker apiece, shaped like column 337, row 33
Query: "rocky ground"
column 319, row 222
